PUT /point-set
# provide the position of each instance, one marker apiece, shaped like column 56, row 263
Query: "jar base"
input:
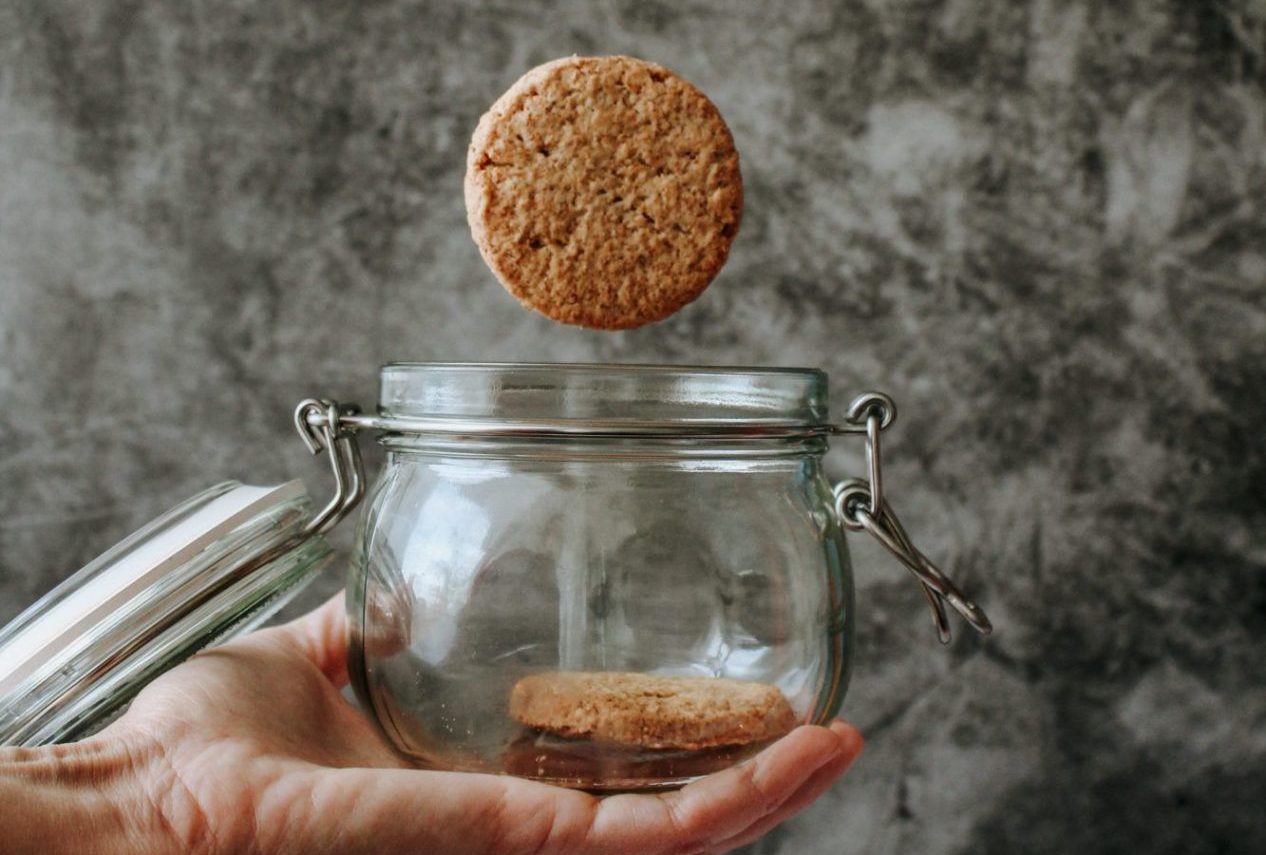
column 600, row 767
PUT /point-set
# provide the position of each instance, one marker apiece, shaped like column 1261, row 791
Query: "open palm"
column 250, row 747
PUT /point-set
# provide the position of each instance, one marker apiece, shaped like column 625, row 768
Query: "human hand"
column 250, row 747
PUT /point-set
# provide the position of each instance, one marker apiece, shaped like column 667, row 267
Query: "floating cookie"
column 651, row 712
column 603, row 191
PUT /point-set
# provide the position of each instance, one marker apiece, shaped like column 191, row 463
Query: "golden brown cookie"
column 603, row 191
column 649, row 711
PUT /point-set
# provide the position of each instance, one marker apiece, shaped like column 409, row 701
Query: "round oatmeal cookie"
column 651, row 712
column 603, row 191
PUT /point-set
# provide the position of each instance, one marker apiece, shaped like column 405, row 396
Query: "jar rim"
column 603, row 367
column 596, row 395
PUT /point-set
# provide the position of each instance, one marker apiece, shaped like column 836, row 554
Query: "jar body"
column 482, row 563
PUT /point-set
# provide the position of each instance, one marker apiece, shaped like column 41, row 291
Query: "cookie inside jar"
column 617, row 729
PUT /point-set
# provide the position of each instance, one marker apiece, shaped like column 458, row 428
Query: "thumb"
column 321, row 637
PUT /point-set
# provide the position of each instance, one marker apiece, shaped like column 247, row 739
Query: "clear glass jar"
column 614, row 578
column 671, row 522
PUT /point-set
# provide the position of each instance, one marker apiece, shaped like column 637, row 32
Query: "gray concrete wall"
column 1040, row 225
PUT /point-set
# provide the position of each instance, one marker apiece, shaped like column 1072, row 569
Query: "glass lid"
column 215, row 566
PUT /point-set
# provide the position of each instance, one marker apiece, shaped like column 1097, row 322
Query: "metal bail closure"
column 320, row 426
column 861, row 507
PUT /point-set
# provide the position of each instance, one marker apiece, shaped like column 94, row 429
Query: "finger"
column 718, row 807
column 819, row 782
column 321, row 636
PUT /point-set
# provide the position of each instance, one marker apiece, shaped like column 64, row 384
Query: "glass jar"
column 608, row 577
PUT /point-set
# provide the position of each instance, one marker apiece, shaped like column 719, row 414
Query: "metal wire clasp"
column 861, row 506
column 320, row 426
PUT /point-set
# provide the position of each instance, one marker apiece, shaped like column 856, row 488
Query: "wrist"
column 80, row 797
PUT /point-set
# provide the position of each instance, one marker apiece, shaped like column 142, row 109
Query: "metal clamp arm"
column 319, row 423
column 861, row 506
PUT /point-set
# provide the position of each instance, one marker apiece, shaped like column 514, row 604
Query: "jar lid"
column 211, row 568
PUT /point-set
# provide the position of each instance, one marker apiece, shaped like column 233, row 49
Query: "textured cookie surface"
column 651, row 712
column 603, row 191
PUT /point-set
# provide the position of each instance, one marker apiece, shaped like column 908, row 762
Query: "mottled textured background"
column 1040, row 225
